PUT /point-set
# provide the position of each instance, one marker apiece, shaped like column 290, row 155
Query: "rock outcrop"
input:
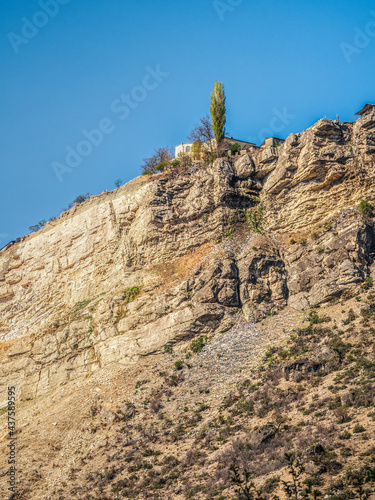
column 318, row 173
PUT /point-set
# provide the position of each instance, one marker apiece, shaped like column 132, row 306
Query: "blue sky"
column 71, row 67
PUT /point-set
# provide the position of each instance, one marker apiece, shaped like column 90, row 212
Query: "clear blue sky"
column 71, row 71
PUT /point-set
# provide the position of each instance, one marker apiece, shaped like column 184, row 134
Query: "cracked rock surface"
column 182, row 240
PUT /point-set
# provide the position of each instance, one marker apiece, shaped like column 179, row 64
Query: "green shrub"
column 367, row 283
column 255, row 218
column 198, row 344
column 358, row 428
column 314, row 318
column 365, row 208
column 271, row 312
column 139, row 383
column 161, row 166
column 168, row 349
column 367, row 312
column 131, row 294
column 270, row 352
column 245, row 406
column 343, row 416
column 345, row 435
column 339, row 346
column 235, row 147
column 4, row 409
column 351, row 317
column 81, row 305
column 178, row 365
column 270, row 484
column 202, row 407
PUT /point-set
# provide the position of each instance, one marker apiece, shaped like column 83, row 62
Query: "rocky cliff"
column 197, row 320
column 171, row 256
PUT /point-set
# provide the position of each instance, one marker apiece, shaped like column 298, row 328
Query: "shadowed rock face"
column 63, row 306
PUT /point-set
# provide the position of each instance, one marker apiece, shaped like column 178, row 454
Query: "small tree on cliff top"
column 202, row 133
column 217, row 109
column 158, row 161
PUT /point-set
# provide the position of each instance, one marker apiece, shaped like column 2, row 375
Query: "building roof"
column 365, row 109
column 276, row 138
column 225, row 138
column 239, row 140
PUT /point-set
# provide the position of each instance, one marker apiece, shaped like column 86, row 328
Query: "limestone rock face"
column 181, row 241
column 319, row 172
column 62, row 314
column 328, row 265
column 263, row 281
column 244, row 167
column 109, row 241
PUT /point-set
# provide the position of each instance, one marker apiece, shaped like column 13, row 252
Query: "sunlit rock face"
column 181, row 242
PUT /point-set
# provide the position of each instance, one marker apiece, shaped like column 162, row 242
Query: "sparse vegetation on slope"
column 300, row 425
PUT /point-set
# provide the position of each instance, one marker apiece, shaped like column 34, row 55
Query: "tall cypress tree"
column 217, row 109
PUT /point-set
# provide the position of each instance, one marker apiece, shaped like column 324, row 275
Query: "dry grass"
column 151, row 432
